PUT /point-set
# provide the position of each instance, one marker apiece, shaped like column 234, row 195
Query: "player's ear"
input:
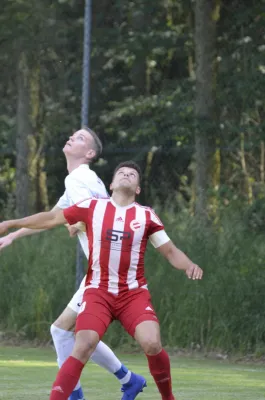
column 111, row 186
column 90, row 154
column 138, row 190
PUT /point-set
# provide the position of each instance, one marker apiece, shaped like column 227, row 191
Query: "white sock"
column 104, row 357
column 64, row 343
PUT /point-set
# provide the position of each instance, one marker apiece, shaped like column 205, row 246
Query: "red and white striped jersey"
column 117, row 238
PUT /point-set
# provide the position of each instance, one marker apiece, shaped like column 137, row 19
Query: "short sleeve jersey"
column 117, row 238
column 80, row 184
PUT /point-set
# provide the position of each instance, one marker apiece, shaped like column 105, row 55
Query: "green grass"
column 28, row 374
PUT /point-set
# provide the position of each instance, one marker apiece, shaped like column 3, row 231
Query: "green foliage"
column 224, row 311
column 142, row 88
column 37, row 280
column 255, row 216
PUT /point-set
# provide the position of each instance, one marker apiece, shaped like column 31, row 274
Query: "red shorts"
column 100, row 308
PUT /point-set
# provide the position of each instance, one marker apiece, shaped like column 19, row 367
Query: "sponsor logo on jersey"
column 114, row 235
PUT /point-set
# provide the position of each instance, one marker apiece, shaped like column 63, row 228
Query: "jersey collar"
column 122, row 207
column 81, row 166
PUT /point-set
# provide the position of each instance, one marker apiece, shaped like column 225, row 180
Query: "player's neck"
column 73, row 164
column 122, row 199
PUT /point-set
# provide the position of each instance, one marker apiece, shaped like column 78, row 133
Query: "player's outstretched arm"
column 7, row 240
column 180, row 261
column 44, row 220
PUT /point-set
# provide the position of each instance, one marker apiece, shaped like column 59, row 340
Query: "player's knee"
column 57, row 324
column 151, row 346
column 66, row 320
column 84, row 348
column 58, row 333
column 55, row 332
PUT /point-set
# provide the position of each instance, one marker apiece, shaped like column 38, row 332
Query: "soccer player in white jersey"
column 118, row 230
column 81, row 149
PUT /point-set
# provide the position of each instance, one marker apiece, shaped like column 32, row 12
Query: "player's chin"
column 66, row 149
column 125, row 183
column 126, row 188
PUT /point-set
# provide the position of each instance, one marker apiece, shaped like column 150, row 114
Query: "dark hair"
column 129, row 164
column 97, row 144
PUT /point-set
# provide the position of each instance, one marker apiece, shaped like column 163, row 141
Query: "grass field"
column 28, row 374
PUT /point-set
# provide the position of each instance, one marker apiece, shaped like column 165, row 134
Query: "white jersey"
column 81, row 184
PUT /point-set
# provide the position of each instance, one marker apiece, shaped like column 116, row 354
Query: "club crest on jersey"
column 135, row 225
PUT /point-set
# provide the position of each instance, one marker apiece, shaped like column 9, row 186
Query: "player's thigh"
column 66, row 320
column 95, row 313
column 76, row 300
column 136, row 309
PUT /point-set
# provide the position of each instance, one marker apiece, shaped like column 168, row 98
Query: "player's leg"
column 139, row 319
column 147, row 334
column 62, row 331
column 63, row 339
column 93, row 320
column 70, row 372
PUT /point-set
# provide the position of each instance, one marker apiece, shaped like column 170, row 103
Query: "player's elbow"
column 168, row 250
column 55, row 218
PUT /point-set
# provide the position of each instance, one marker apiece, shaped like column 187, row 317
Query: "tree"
column 206, row 16
column 24, row 128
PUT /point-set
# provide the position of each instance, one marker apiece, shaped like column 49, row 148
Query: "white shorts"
column 77, row 298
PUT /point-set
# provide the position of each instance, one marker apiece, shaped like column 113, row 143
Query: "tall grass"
column 37, row 279
column 225, row 310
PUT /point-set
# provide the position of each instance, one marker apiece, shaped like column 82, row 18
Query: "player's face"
column 127, row 178
column 79, row 145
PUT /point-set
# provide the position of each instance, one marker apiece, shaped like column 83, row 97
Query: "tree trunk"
column 42, row 202
column 206, row 15
column 37, row 174
column 31, row 186
column 24, row 128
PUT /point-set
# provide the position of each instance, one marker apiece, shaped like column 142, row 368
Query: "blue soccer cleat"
column 77, row 395
column 133, row 387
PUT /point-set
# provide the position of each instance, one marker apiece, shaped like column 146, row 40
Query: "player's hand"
column 194, row 272
column 5, row 241
column 72, row 230
column 4, row 226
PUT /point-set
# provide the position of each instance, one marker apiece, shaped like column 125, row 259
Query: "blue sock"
column 123, row 374
column 77, row 394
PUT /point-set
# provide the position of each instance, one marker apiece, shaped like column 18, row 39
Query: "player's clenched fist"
column 194, row 272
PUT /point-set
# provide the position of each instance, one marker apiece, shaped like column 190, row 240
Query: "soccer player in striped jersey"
column 118, row 230
column 80, row 150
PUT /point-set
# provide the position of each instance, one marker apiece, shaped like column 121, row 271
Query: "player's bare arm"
column 44, row 220
column 7, row 240
column 180, row 261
